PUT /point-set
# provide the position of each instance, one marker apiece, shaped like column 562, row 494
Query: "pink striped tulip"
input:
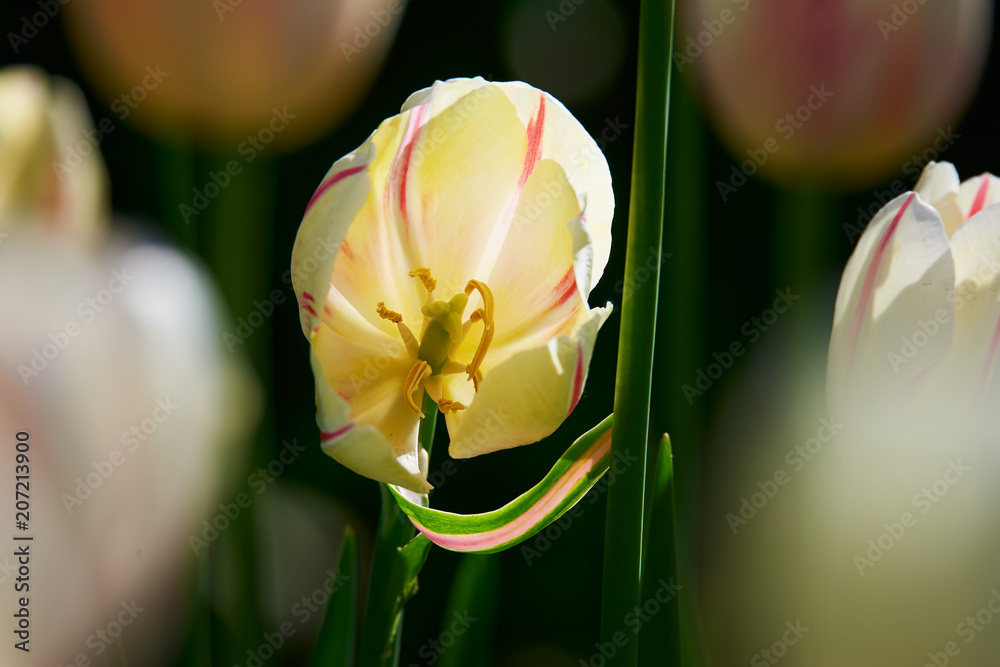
column 918, row 308
column 834, row 91
column 453, row 253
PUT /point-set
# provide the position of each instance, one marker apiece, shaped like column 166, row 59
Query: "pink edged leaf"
column 576, row 471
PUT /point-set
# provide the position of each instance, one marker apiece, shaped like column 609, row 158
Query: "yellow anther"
column 476, row 378
column 486, row 315
column 448, row 407
column 425, row 277
column 387, row 314
column 414, row 381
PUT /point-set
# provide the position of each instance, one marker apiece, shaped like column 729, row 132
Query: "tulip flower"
column 216, row 72
column 41, row 119
column 917, row 308
column 891, row 76
column 453, row 254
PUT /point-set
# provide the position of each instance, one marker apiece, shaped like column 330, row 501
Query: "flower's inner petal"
column 533, row 280
column 369, row 376
column 976, row 346
column 451, row 190
column 375, row 257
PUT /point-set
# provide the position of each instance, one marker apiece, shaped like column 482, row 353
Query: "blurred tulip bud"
column 842, row 92
column 218, row 72
column 40, row 120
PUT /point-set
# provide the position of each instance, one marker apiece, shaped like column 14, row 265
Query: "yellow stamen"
column 449, row 407
column 414, row 381
column 476, row 379
column 387, row 314
column 425, row 277
column 486, row 315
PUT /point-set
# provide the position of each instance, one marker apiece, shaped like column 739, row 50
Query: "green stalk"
column 803, row 238
column 399, row 555
column 630, row 431
column 235, row 226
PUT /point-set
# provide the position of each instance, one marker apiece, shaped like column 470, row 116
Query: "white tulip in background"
column 882, row 540
column 130, row 400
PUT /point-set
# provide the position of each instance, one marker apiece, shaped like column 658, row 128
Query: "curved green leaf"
column 571, row 477
column 335, row 646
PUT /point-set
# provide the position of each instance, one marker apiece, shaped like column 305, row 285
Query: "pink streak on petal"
column 868, row 287
column 990, row 359
column 307, row 296
column 565, row 288
column 309, row 308
column 980, row 201
column 405, row 155
column 327, row 436
column 333, row 180
column 345, row 248
column 531, row 518
column 577, row 381
column 534, row 153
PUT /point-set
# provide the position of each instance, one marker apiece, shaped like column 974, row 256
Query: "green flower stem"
column 661, row 638
column 683, row 299
column 630, row 431
column 399, row 555
column 804, row 237
column 236, row 230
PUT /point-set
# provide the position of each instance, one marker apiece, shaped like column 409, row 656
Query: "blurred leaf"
column 471, row 613
column 567, row 482
column 660, row 643
column 335, row 645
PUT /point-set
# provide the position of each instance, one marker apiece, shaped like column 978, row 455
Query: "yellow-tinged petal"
column 901, row 274
column 328, row 218
column 561, row 138
column 45, row 179
column 526, row 397
column 372, row 432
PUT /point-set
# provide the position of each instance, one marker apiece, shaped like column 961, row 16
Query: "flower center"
column 442, row 332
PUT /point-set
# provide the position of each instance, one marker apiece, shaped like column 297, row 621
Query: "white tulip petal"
column 976, row 249
column 894, row 289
